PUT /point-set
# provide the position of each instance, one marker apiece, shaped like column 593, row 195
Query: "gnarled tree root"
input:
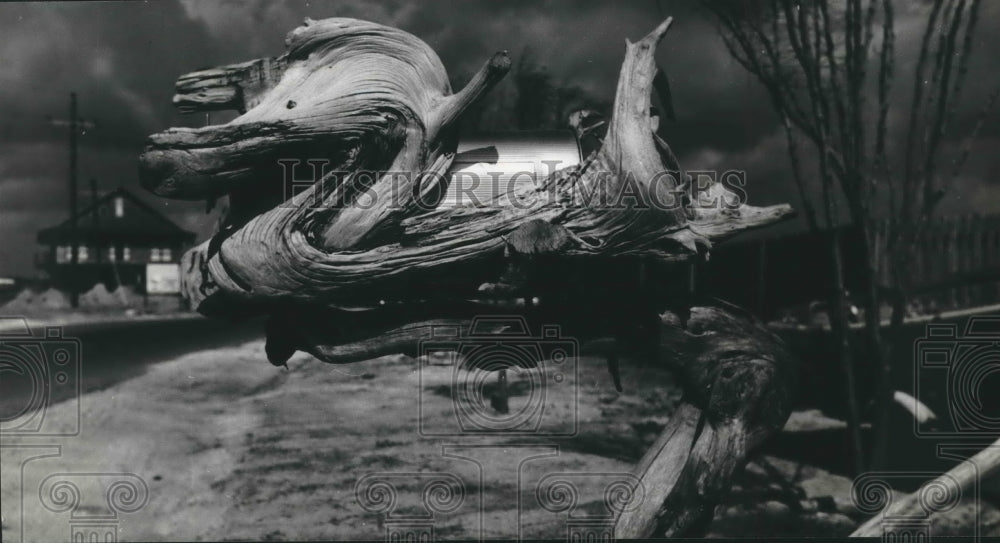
column 374, row 102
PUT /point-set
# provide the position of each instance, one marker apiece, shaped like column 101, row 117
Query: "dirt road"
column 220, row 445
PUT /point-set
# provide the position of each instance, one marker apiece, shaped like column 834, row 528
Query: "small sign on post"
column 163, row 278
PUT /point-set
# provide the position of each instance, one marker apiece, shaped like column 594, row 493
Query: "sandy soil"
column 232, row 448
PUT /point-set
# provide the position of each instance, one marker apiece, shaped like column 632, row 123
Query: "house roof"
column 139, row 223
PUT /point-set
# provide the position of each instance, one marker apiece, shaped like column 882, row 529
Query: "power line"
column 76, row 127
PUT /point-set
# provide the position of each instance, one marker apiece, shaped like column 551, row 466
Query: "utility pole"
column 75, row 125
column 95, row 222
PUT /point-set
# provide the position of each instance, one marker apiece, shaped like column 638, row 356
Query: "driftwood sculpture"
column 364, row 262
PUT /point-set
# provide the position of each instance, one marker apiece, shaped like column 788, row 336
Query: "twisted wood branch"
column 365, row 262
column 372, row 98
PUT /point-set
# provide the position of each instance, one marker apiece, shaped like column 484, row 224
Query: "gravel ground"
column 221, row 445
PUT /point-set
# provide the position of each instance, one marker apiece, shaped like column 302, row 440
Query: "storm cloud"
column 122, row 60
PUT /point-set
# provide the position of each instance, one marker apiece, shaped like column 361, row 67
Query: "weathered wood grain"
column 738, row 382
column 323, row 253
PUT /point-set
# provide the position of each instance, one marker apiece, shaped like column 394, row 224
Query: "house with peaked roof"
column 113, row 240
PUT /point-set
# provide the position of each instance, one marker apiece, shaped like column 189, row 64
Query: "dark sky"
column 123, row 58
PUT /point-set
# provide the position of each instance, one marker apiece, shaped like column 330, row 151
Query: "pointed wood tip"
column 500, row 62
column 658, row 32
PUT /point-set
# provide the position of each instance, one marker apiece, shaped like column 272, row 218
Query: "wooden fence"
column 956, row 265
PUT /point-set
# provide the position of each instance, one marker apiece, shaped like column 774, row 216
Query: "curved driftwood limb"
column 234, row 87
column 330, row 243
column 364, row 263
column 738, row 379
column 944, row 489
